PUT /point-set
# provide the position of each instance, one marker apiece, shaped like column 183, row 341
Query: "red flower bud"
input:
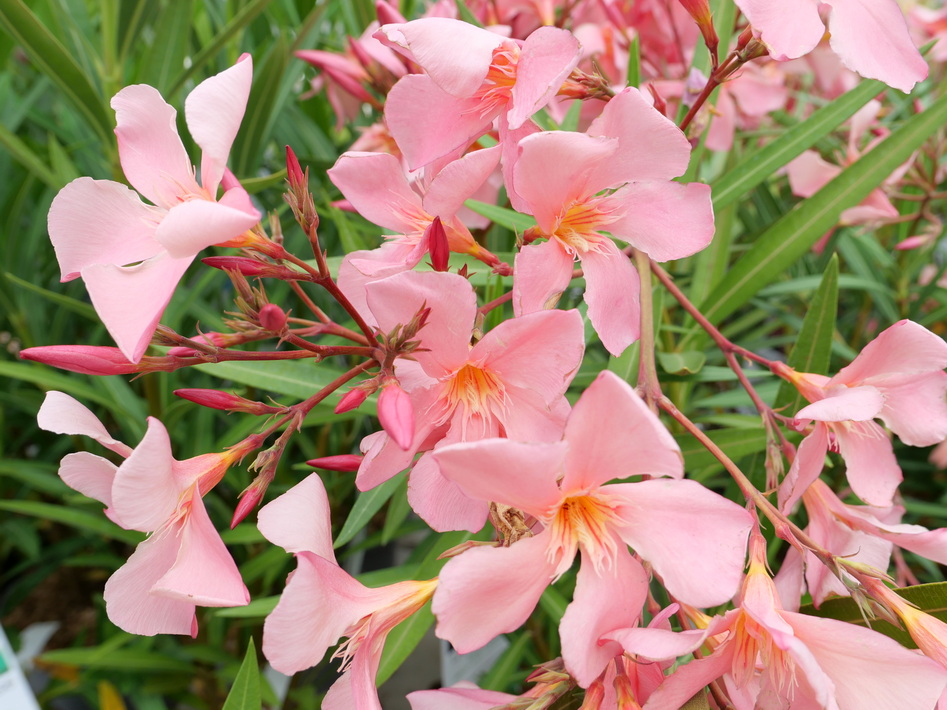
column 345, row 463
column 272, row 318
column 351, row 400
column 215, row 399
column 294, row 172
column 437, row 245
column 85, row 359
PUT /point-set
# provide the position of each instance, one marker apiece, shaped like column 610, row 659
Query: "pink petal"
column 299, row 519
column 149, row 147
column 915, row 407
column 870, row 464
column 100, row 222
column 509, row 144
column 603, row 602
column 428, row 123
column 458, row 699
column 687, row 680
column 805, row 468
column 487, row 591
column 130, row 300
column 905, row 347
column 548, row 56
column 789, row 30
column 62, row 414
column 319, row 604
column 376, row 186
column 655, row 644
column 530, row 418
column 484, row 470
column 512, row 349
column 203, row 572
column 146, row 493
column 91, row 475
column 197, row 224
column 396, row 299
column 890, row 56
column 440, row 502
column 667, row 220
column 841, row 404
column 128, row 599
column 868, row 668
column 694, row 538
column 459, row 180
column 214, row 111
column 612, row 434
column 612, row 289
column 541, row 272
column 433, row 42
column 809, row 173
column 554, row 169
column 650, row 146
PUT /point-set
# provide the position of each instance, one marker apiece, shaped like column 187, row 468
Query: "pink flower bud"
column 294, row 173
column 396, row 414
column 272, row 318
column 388, row 14
column 85, row 359
column 249, row 500
column 240, row 264
column 351, row 400
column 346, row 463
column 215, row 399
column 700, row 11
column 437, row 245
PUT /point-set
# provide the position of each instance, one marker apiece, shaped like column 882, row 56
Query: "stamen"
column 586, row 522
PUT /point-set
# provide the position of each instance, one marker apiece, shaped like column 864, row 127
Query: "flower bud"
column 700, row 11
column 396, row 414
column 351, row 400
column 249, row 500
column 294, row 173
column 272, row 318
column 346, row 463
column 84, row 359
column 437, row 245
column 246, row 266
column 215, row 399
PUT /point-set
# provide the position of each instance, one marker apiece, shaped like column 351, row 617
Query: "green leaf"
column 24, row 155
column 48, row 379
column 930, row 598
column 71, row 304
column 366, row 505
column 464, row 13
column 257, row 609
column 735, row 443
column 505, row 217
column 506, row 669
column 794, row 234
column 245, row 692
column 53, row 59
column 684, row 363
column 79, row 519
column 164, row 60
column 761, row 164
column 128, row 660
column 813, row 347
column 397, row 513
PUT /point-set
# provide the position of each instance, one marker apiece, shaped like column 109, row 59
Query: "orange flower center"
column 586, row 522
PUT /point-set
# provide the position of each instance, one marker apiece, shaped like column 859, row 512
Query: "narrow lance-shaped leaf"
column 813, row 346
column 245, row 693
column 795, row 233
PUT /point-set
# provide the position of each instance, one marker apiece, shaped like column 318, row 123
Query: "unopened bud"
column 351, row 400
column 294, row 173
column 248, row 267
column 396, row 414
column 387, row 14
column 700, row 11
column 215, row 399
column 272, row 318
column 84, row 359
column 436, row 237
column 249, row 500
column 346, row 463
column 213, row 339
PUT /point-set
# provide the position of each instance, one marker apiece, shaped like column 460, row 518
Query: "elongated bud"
column 215, row 399
column 294, row 172
column 212, row 338
column 396, row 414
column 437, row 245
column 346, row 463
column 351, row 400
column 387, row 14
column 85, row 359
column 927, row 631
column 700, row 11
column 246, row 266
column 272, row 318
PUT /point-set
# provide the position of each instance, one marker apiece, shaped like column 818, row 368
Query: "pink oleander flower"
column 183, row 563
column 377, row 188
column 870, row 36
column 130, row 254
column 859, row 533
column 898, row 378
column 616, row 178
column 511, row 382
column 693, row 539
column 431, row 115
column 323, row 603
column 773, row 658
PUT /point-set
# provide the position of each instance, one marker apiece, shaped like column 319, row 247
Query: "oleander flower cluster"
column 511, row 429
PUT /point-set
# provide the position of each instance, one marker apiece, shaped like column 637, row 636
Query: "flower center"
column 757, row 649
column 480, row 391
column 577, row 228
column 496, row 90
column 586, row 522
